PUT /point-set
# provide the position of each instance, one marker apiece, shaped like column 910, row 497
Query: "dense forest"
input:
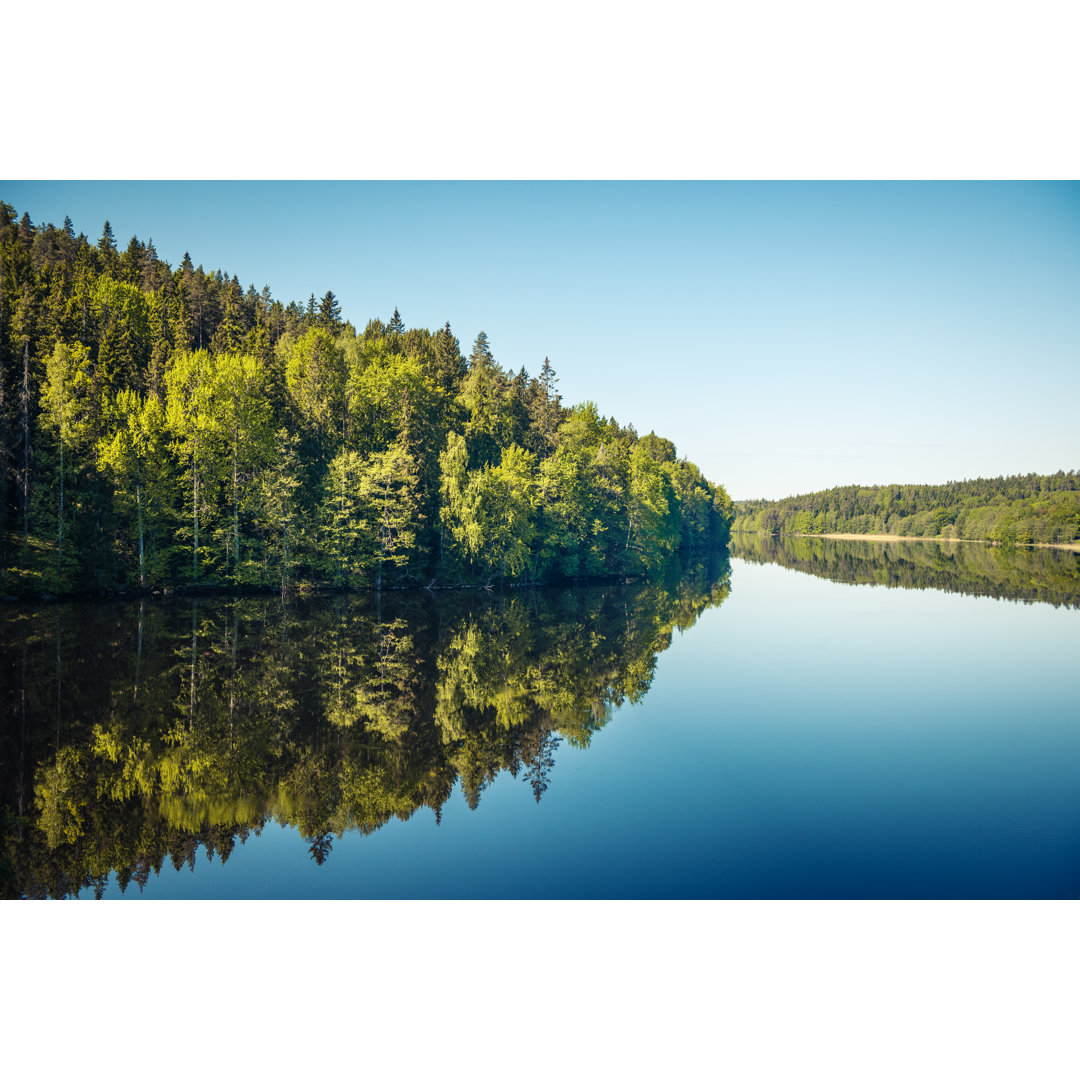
column 1027, row 509
column 164, row 427
column 135, row 735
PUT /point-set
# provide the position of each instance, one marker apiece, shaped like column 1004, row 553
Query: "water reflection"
column 134, row 735
column 1044, row 575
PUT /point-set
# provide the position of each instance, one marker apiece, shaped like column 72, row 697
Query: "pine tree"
column 148, row 279
column 449, row 363
column 481, row 353
column 68, row 243
column 545, row 409
column 108, row 259
column 131, row 262
column 330, row 313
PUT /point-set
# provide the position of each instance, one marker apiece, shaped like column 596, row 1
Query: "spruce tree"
column 108, row 259
column 330, row 313
column 148, row 280
column 131, row 262
column 449, row 362
column 481, row 353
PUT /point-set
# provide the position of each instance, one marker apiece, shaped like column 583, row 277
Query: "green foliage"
column 135, row 458
column 389, row 495
column 499, row 514
column 66, row 403
column 163, row 426
column 191, row 420
column 651, row 525
column 316, row 379
column 1031, row 509
column 122, row 318
column 278, row 516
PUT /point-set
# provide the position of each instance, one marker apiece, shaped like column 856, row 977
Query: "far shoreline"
column 888, row 538
column 893, row 538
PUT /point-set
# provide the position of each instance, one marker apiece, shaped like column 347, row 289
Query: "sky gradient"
column 788, row 337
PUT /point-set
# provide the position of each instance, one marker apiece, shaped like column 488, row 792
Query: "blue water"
column 805, row 739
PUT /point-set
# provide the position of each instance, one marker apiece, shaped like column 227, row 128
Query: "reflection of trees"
column 538, row 755
column 320, row 847
column 1044, row 575
column 184, row 726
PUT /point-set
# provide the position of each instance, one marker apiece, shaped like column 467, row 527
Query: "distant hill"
column 1031, row 509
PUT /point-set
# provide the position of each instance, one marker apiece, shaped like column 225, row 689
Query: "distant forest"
column 162, row 427
column 1029, row 509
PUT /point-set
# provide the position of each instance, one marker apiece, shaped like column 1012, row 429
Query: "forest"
column 1011, row 510
column 165, row 428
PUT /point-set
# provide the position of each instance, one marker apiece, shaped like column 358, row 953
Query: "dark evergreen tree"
column 132, row 262
column 481, row 352
column 330, row 313
column 108, row 260
column 450, row 365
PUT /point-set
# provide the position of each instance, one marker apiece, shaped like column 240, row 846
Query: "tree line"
column 162, row 427
column 1031, row 509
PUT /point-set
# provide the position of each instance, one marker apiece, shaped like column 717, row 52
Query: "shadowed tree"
column 330, row 313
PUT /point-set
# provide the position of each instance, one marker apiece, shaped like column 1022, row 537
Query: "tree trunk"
column 60, row 515
column 3, row 437
column 285, row 561
column 24, row 408
column 142, row 559
column 236, row 507
column 232, row 685
column 138, row 651
column 191, row 707
column 58, row 681
column 195, row 517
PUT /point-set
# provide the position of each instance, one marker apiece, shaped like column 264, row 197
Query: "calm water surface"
column 814, row 719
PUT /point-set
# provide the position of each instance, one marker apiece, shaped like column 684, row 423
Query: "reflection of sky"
column 788, row 337
column 804, row 739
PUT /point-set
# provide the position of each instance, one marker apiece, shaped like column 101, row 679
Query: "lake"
column 805, row 719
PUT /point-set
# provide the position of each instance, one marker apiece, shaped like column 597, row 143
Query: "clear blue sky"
column 786, row 336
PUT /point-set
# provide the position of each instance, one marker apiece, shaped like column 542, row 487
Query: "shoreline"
column 889, row 538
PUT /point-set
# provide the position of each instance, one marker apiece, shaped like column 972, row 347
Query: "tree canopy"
column 1031, row 509
column 165, row 427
